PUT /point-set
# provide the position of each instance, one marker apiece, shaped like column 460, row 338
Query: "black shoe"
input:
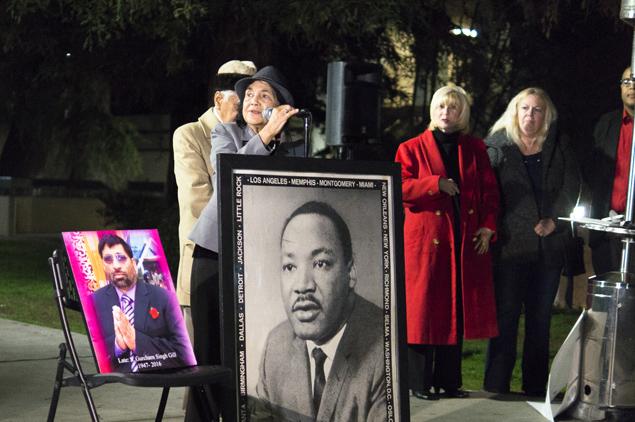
column 496, row 390
column 425, row 394
column 456, row 394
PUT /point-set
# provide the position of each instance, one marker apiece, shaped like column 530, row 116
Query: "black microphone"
column 267, row 112
column 303, row 113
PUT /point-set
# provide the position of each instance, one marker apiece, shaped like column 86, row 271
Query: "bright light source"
column 68, row 54
column 578, row 212
column 468, row 32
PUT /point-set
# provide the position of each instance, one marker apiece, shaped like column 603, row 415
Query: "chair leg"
column 202, row 406
column 88, row 397
column 57, row 386
column 90, row 403
column 162, row 403
column 59, row 380
column 210, row 397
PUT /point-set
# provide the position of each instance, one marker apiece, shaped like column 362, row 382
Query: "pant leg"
column 439, row 366
column 539, row 299
column 510, row 284
column 204, row 301
column 606, row 255
column 447, row 366
column 205, row 310
column 187, row 318
column 448, row 358
column 420, row 365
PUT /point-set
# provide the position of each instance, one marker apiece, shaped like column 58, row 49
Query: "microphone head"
column 303, row 113
column 266, row 114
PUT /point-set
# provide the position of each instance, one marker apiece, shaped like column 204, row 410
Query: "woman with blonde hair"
column 511, row 123
column 450, row 200
column 539, row 181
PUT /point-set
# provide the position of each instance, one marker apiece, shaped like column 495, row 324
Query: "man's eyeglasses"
column 109, row 259
column 627, row 82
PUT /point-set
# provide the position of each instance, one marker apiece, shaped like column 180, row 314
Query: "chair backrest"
column 63, row 283
column 200, row 378
column 128, row 300
column 67, row 297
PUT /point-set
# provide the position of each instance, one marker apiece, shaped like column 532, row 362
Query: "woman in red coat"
column 450, row 199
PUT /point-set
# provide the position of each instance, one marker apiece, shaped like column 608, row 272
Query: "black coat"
column 600, row 167
column 517, row 242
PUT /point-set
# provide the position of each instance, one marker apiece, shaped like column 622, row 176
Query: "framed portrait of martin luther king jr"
column 312, row 292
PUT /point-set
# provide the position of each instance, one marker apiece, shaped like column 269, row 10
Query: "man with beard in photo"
column 325, row 362
column 138, row 320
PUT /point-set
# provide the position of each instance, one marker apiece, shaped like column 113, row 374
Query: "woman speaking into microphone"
column 252, row 134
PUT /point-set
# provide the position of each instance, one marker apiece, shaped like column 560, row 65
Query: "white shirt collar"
column 329, row 348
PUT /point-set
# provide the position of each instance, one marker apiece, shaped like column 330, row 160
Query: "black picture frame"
column 256, row 197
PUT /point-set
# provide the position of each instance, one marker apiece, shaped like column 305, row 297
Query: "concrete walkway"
column 28, row 359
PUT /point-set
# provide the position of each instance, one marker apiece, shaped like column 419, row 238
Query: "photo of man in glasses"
column 140, row 323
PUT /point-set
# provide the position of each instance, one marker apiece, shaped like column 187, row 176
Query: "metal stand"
column 606, row 382
column 307, row 131
column 343, row 152
column 606, row 389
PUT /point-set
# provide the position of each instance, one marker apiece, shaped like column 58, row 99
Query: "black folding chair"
column 196, row 377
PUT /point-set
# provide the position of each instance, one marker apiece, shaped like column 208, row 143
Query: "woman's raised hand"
column 276, row 122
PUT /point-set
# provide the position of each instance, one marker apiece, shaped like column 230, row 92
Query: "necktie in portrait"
column 318, row 385
column 128, row 310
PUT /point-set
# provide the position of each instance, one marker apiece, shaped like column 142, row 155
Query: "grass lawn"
column 26, row 287
column 26, row 294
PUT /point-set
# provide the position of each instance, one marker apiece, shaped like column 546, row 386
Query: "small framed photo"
column 312, row 289
column 130, row 307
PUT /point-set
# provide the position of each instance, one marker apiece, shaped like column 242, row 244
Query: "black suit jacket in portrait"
column 158, row 325
column 356, row 386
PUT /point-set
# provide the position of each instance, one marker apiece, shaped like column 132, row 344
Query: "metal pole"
column 307, row 124
column 627, row 14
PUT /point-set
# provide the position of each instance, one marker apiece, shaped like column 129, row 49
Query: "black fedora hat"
column 273, row 77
